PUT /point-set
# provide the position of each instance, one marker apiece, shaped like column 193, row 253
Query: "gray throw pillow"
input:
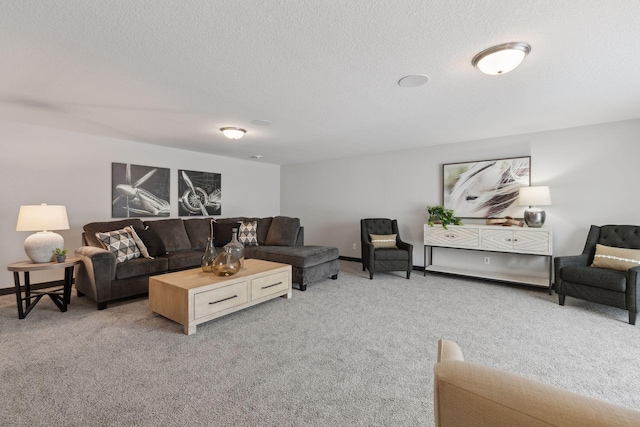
column 172, row 233
column 283, row 231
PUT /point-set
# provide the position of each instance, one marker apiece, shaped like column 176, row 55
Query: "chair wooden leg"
column 632, row 317
column 102, row 305
column 561, row 299
column 370, row 274
column 408, row 274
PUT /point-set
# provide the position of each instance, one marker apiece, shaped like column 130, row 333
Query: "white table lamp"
column 534, row 197
column 40, row 246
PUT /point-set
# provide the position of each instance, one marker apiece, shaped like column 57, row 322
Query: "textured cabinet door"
column 454, row 237
column 535, row 242
column 497, row 240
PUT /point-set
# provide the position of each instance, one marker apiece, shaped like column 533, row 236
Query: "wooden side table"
column 61, row 296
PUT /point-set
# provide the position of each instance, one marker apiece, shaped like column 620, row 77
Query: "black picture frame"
column 199, row 193
column 485, row 188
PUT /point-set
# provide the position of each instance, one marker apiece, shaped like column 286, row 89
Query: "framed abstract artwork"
column 139, row 191
column 200, row 193
column 486, row 188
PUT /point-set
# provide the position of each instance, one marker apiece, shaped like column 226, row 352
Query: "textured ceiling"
column 325, row 72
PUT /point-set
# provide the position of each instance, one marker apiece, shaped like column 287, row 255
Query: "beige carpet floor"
column 348, row 352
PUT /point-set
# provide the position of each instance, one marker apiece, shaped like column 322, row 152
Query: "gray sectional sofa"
column 177, row 244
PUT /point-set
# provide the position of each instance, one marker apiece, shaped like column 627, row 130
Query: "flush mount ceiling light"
column 502, row 58
column 413, row 80
column 233, row 133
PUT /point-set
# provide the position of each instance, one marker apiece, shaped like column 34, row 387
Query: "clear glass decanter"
column 226, row 264
column 236, row 248
column 208, row 257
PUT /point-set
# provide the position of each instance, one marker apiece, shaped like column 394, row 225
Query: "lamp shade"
column 534, row 196
column 40, row 246
column 42, row 217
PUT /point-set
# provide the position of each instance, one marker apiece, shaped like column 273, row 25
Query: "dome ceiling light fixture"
column 502, row 58
column 233, row 132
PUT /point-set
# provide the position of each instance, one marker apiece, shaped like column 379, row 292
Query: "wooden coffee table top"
column 195, row 277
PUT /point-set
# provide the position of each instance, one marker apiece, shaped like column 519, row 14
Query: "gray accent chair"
column 384, row 259
column 574, row 276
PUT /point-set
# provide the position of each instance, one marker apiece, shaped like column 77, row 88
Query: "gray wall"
column 43, row 165
column 592, row 173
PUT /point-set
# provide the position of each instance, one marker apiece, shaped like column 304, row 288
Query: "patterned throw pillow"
column 383, row 240
column 248, row 233
column 120, row 243
column 139, row 243
column 616, row 258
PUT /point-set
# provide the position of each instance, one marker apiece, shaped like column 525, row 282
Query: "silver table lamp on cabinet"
column 534, row 197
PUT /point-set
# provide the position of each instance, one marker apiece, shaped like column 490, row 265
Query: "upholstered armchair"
column 607, row 271
column 382, row 248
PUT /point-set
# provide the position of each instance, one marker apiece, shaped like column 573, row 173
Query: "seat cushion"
column 390, row 254
column 296, row 256
column 141, row 267
column 613, row 280
column 179, row 260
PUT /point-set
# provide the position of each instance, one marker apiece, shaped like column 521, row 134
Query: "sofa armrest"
column 96, row 272
column 466, row 392
column 632, row 295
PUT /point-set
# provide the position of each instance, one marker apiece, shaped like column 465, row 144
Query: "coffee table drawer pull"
column 270, row 286
column 225, row 299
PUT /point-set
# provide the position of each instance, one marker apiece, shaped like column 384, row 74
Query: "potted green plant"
column 61, row 254
column 439, row 215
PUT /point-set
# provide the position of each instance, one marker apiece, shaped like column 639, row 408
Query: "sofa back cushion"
column 198, row 230
column 92, row 228
column 620, row 236
column 172, row 233
column 283, row 231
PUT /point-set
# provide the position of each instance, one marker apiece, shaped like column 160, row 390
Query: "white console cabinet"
column 515, row 240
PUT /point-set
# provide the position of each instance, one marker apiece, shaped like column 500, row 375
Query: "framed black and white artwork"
column 487, row 188
column 139, row 191
column 200, row 193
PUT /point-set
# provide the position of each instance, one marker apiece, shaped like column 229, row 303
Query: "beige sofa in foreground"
column 467, row 394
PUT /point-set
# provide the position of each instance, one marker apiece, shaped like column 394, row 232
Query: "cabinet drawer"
column 454, row 237
column 268, row 285
column 216, row 300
